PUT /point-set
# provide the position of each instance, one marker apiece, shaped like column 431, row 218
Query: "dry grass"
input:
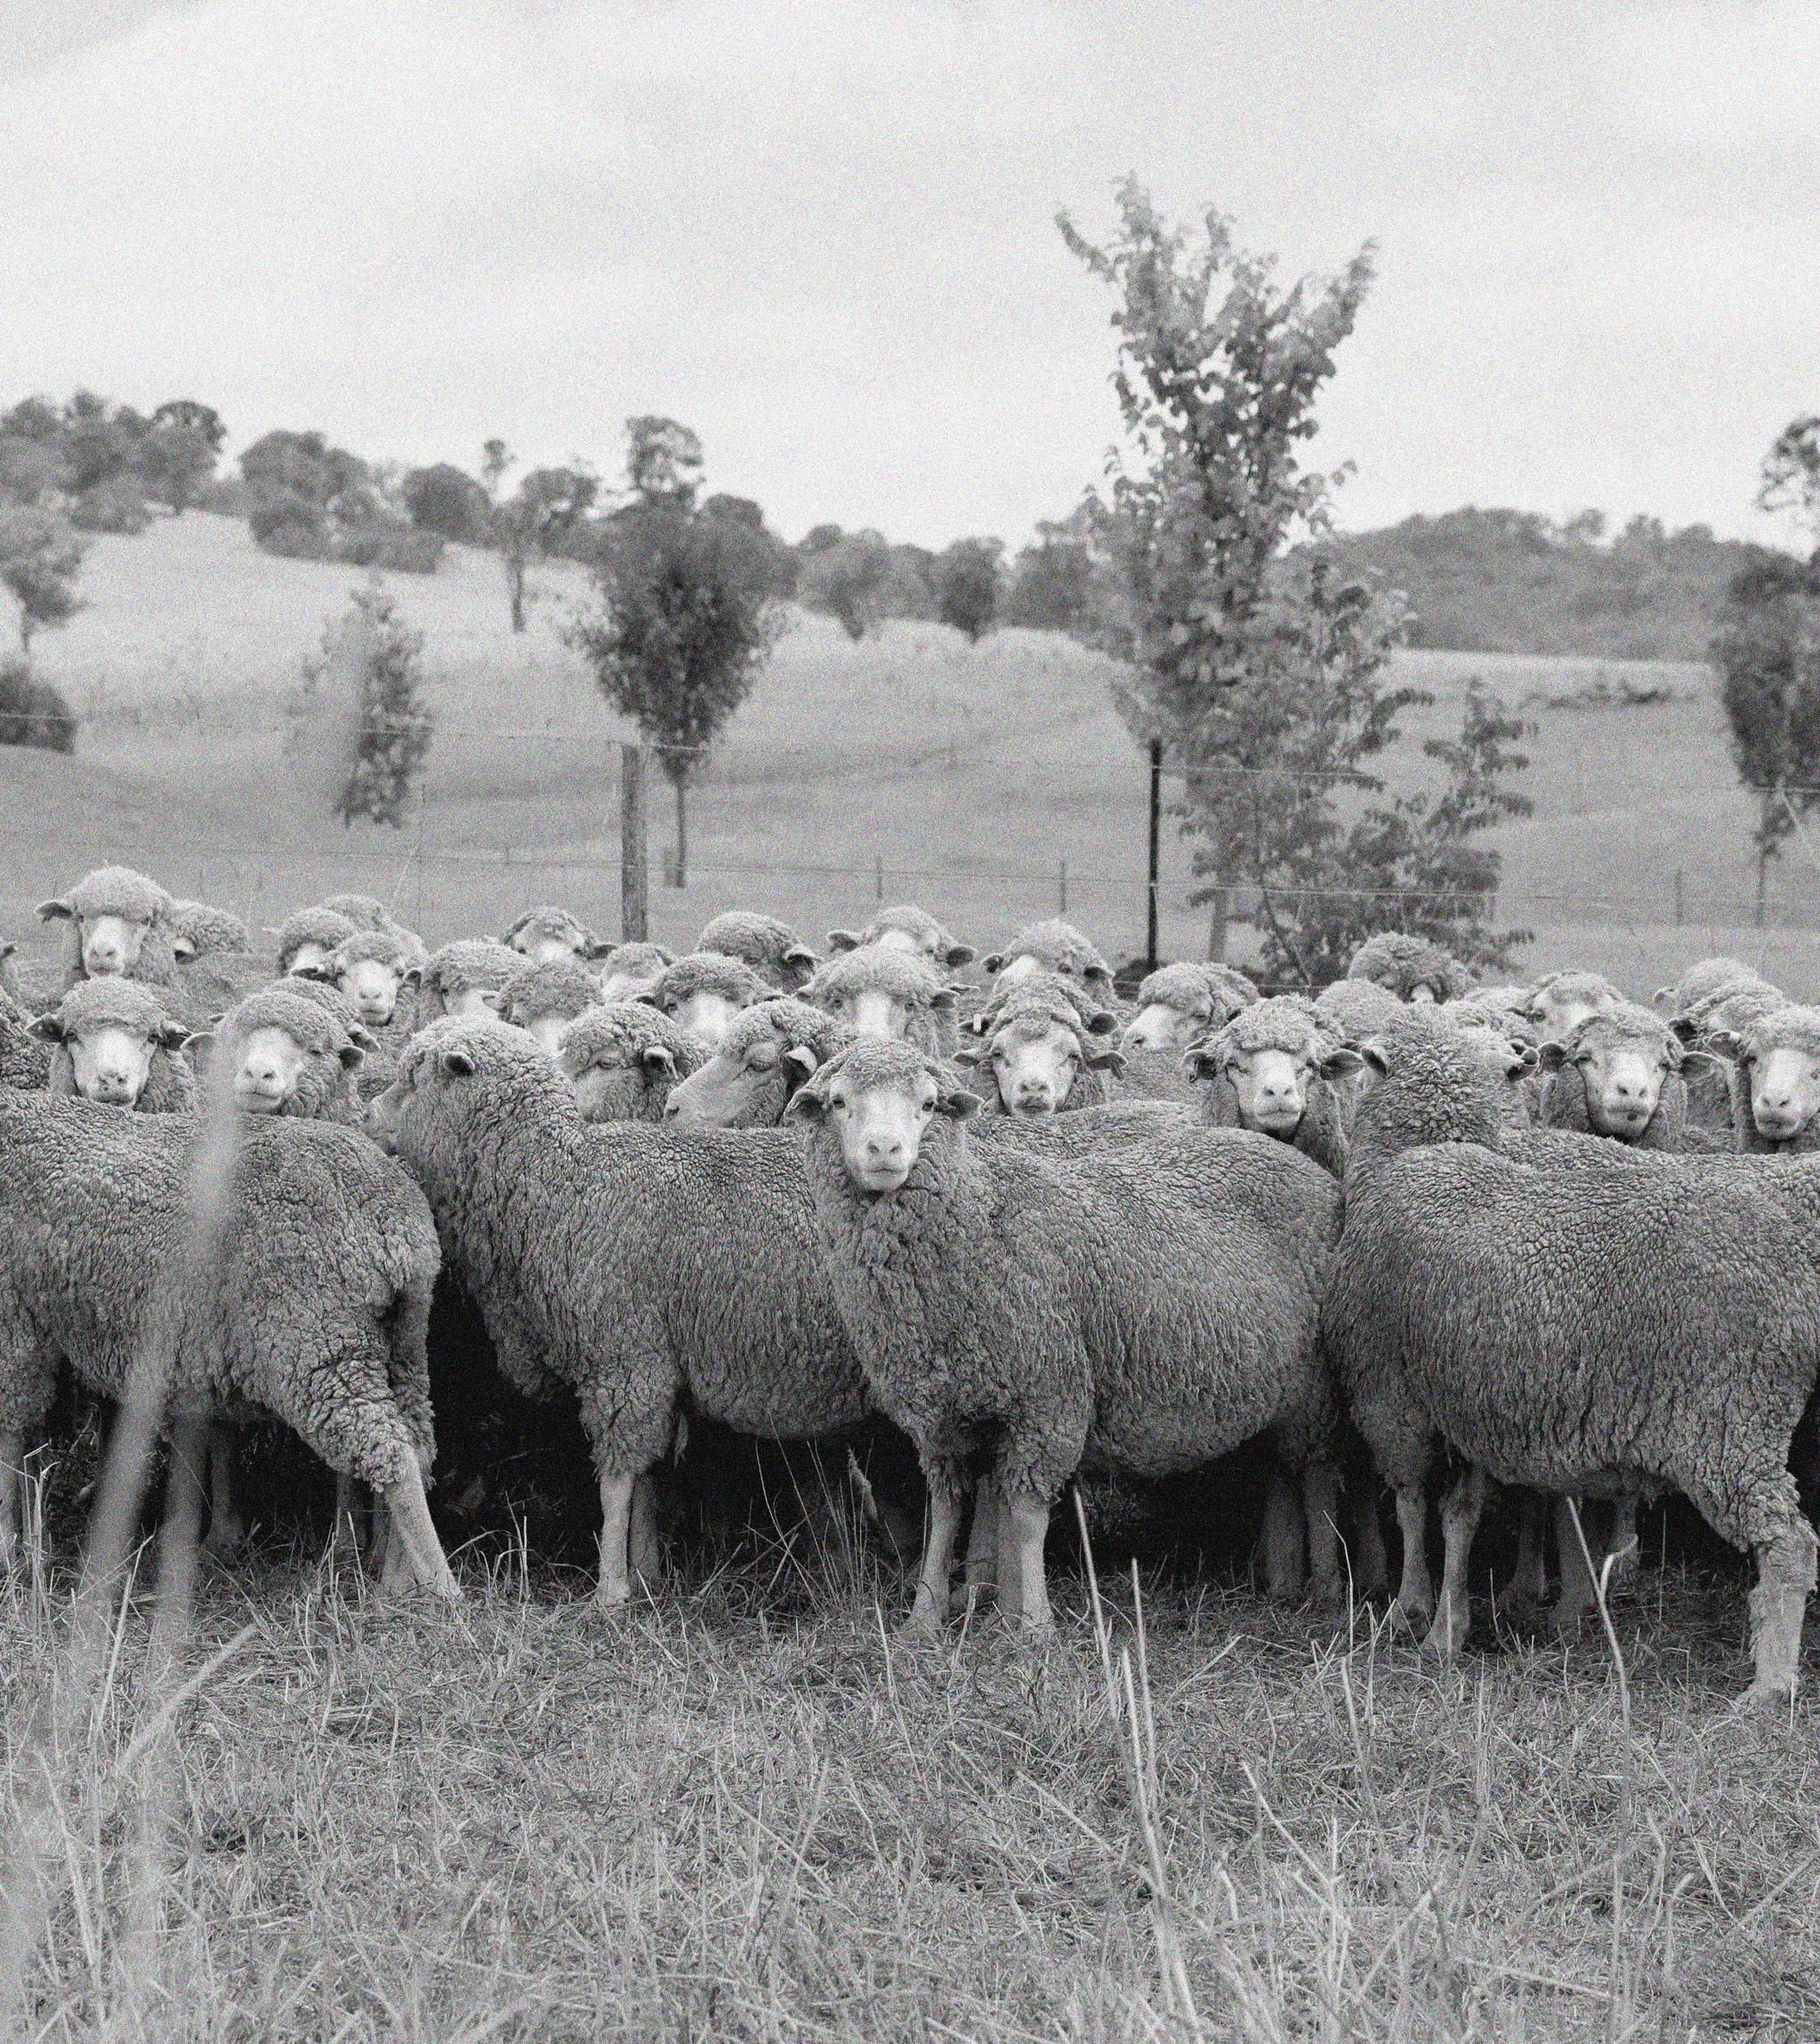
column 750, row 1811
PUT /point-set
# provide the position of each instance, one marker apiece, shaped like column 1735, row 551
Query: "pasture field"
column 750, row 1811
column 912, row 763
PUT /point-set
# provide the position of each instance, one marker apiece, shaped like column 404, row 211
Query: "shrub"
column 32, row 712
column 394, row 547
column 116, row 505
column 365, row 687
column 287, row 523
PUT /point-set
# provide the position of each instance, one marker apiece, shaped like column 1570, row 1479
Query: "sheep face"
column 270, row 1062
column 704, row 1013
column 1272, row 1087
column 1034, row 1060
column 873, row 1010
column 1561, row 1002
column 741, row 1087
column 879, row 1099
column 626, row 984
column 546, row 936
column 373, row 986
column 625, row 1085
column 111, row 1059
column 310, row 960
column 1158, row 1026
column 471, row 1004
column 110, row 945
column 1785, row 1090
column 1624, row 1067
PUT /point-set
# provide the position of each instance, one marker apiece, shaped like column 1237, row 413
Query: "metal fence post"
column 634, row 867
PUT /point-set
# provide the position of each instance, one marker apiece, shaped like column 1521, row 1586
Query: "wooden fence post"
column 1156, row 849
column 635, row 866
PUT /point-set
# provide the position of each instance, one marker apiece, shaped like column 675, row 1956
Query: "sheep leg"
column 1459, row 1515
column 384, row 1555
column 1577, row 1597
column 415, row 1531
column 1371, row 1568
column 614, row 1587
column 227, row 1526
column 644, row 1555
column 183, row 1488
column 1027, row 1528
column 1415, row 1594
column 1528, row 1579
column 1285, row 1568
column 931, row 1603
column 986, row 1539
column 346, row 1531
column 1620, row 1543
column 11, row 1447
column 1320, row 1504
column 1778, row 1603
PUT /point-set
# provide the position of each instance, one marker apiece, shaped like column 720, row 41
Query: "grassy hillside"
column 971, row 774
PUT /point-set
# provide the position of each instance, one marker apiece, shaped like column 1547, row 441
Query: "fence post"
column 878, row 878
column 1156, row 851
column 1680, row 905
column 634, row 869
column 1061, row 887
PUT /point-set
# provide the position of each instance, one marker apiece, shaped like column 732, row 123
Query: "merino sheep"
column 293, row 1055
column 118, row 924
column 458, row 978
column 1149, row 1307
column 1617, row 1073
column 374, row 968
column 307, row 939
column 1560, row 1002
column 1055, row 946
column 308, row 1297
column 1414, row 969
column 630, row 969
column 1266, row 1069
column 1591, row 1319
column 907, row 927
column 1716, row 999
column 1039, row 1055
column 639, row 1266
column 884, row 992
column 773, row 950
column 770, row 1049
column 1354, row 1008
column 1775, row 1083
column 543, row 998
column 548, row 935
column 366, row 912
column 704, row 990
column 623, row 1059
column 1706, row 985
column 1179, row 1003
column 199, row 930
column 117, row 1042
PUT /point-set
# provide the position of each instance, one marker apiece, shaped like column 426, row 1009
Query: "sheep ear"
column 518, row 925
column 1201, row 1061
column 597, row 948
column 806, row 1104
column 493, row 997
column 411, row 975
column 970, row 1054
column 1102, row 1058
column 1663, row 1000
column 993, row 961
column 1103, row 1022
column 1722, row 1042
column 183, row 947
column 843, row 940
column 648, row 999
column 801, row 956
column 1097, row 975
column 199, row 1047
column 362, row 1038
column 1687, row 1029
column 56, row 910
column 48, row 1029
column 957, row 955
column 1343, row 1060
column 170, row 1036
column 458, row 1063
column 801, row 1060
column 958, row 1104
column 945, row 999
column 1550, row 1057
column 1524, row 1059
column 321, row 973
column 352, row 1057
column 658, row 1058
column 1705, row 1061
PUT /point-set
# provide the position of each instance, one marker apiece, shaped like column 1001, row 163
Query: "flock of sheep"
column 1537, row 1235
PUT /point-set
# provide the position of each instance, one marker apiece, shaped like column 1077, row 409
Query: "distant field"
column 972, row 773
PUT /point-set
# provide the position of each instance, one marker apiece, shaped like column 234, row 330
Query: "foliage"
column 375, row 663
column 1768, row 653
column 447, row 501
column 183, row 443
column 1262, row 677
column 114, row 505
column 390, row 546
column 664, row 459
column 1792, row 472
column 1051, row 583
column 288, row 524
column 548, row 505
column 967, row 578
column 40, row 556
column 844, row 576
column 687, row 622
column 32, row 712
column 1513, row 582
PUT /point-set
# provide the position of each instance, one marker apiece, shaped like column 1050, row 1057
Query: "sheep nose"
column 884, row 1149
column 1032, row 1093
column 672, row 1108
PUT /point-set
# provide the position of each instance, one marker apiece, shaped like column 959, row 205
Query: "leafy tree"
column 371, row 663
column 1262, row 677
column 1792, row 472
column 40, row 556
column 967, row 579
column 180, row 447
column 845, row 578
column 445, row 499
column 548, row 505
column 1767, row 652
column 1051, row 584
column 687, row 622
column 664, row 459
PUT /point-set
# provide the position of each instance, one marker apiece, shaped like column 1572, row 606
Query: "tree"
column 845, row 577
column 687, row 622
column 445, row 499
column 1792, row 472
column 182, row 446
column 664, row 459
column 547, row 504
column 366, row 684
column 1051, row 581
column 967, row 582
column 1262, row 676
column 40, row 555
column 1768, row 651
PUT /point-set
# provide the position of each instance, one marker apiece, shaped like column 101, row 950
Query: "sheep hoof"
column 1766, row 1700
column 1412, row 1618
column 224, row 1539
column 1447, row 1634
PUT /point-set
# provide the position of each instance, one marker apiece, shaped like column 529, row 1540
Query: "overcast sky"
column 823, row 234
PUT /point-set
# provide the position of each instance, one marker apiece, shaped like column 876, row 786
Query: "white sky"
column 820, row 231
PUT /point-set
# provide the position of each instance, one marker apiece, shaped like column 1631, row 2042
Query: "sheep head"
column 623, row 1058
column 1036, row 1051
column 108, row 1030
column 1271, row 1054
column 880, row 1097
column 113, row 911
column 1779, row 1057
column 907, row 927
column 1179, row 1002
column 548, row 935
column 1624, row 1054
column 770, row 1049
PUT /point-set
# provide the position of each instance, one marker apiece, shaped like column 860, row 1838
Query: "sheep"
column 1560, row 1002
column 1617, row 1073
column 366, row 912
column 116, row 1041
column 1039, row 1055
column 1354, row 1008
column 704, row 990
column 547, row 935
column 118, row 925
column 1776, row 1086
column 543, row 998
column 293, row 1055
column 308, row 937
column 1707, row 984
column 636, row 1265
column 1414, row 969
column 1719, row 997
column 769, row 1050
column 1052, row 946
column 885, row 992
column 374, row 968
column 1179, row 1003
column 1265, row 1069
column 630, row 969
column 199, row 930
column 771, row 948
column 1595, row 1317
column 623, row 1058
column 309, row 1296
column 459, row 976
column 1149, row 1307
column 907, row 927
